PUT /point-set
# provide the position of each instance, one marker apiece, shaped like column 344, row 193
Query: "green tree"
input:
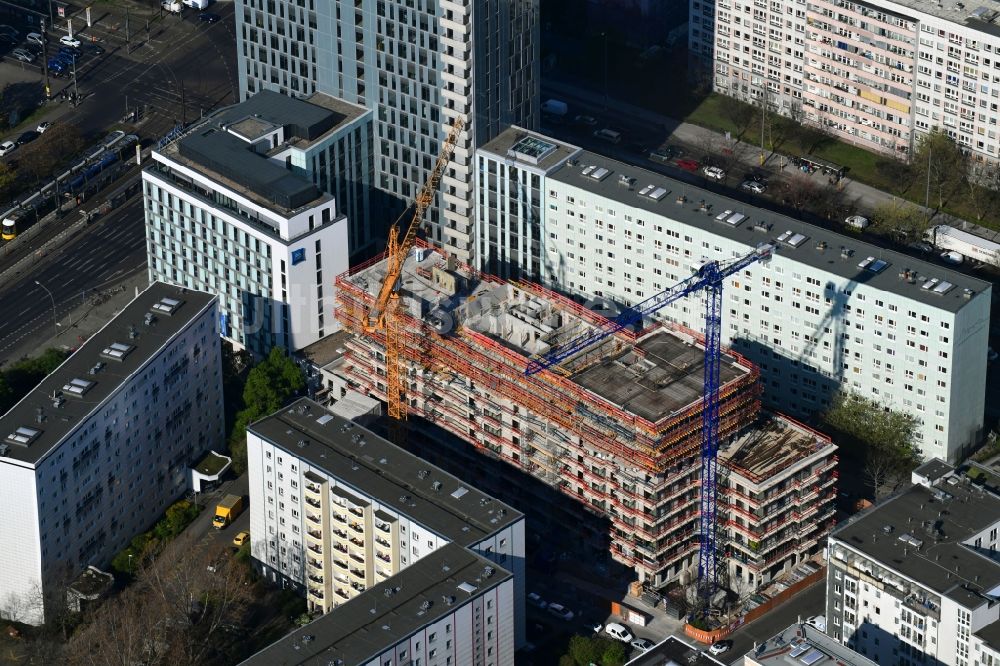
column 902, row 220
column 269, row 386
column 19, row 378
column 586, row 650
column 940, row 166
column 884, row 438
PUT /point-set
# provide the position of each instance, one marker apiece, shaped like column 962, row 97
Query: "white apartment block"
column 340, row 513
column 877, row 74
column 417, row 66
column 226, row 214
column 828, row 312
column 97, row 451
column 915, row 580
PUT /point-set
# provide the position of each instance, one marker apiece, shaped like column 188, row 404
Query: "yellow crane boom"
column 382, row 315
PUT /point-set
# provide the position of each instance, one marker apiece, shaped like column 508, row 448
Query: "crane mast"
column 709, row 277
column 383, row 314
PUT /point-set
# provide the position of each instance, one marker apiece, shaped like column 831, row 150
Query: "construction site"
column 617, row 428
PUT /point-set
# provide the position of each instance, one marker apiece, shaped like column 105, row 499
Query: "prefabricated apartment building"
column 617, row 428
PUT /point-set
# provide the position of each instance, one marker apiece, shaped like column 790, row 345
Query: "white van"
column 608, row 135
column 196, row 4
column 173, row 6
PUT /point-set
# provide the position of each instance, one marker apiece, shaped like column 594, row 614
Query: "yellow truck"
column 228, row 509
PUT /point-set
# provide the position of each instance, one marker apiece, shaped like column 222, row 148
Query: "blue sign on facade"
column 298, row 256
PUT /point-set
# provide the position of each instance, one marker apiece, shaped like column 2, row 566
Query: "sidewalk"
column 865, row 196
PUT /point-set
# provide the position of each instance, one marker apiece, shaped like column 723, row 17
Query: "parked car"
column 753, row 186
column 660, row 155
column 921, row 246
column 241, row 538
column 24, row 55
column 688, row 165
column 34, row 38
column 952, row 257
column 596, row 627
column 619, row 631
column 560, row 611
column 535, row 600
column 714, row 172
column 94, row 48
column 818, row 621
column 587, row 121
column 69, row 55
column 642, row 644
column 208, row 17
column 27, row 137
column 720, row 647
column 7, row 147
column 857, row 221
column 43, row 126
column 66, row 40
column 9, row 30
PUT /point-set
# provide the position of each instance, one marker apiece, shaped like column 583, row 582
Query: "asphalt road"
column 806, row 604
column 179, row 69
column 111, row 249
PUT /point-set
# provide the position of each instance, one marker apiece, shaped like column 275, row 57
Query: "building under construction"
column 617, row 428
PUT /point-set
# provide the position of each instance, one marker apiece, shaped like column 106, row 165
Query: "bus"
column 8, row 230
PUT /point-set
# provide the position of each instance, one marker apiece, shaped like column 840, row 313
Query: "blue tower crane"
column 709, row 277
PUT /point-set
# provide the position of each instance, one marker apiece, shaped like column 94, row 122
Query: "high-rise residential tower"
column 418, row 64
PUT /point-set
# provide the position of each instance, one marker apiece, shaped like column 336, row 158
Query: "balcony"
column 360, row 543
column 342, row 594
column 357, row 527
column 313, row 488
column 341, row 534
column 382, row 542
column 339, row 547
column 315, row 534
column 358, row 586
column 383, row 557
column 357, row 558
column 313, row 518
column 341, row 564
column 318, row 594
column 316, row 549
column 383, row 526
column 315, row 564
column 313, row 502
column 318, row 580
column 382, row 572
column 340, row 518
column 357, row 512
column 358, row 573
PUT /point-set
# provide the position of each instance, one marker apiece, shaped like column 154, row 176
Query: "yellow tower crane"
column 383, row 314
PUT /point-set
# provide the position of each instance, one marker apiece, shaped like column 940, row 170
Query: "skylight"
column 459, row 492
column 23, row 436
column 117, row 351
column 873, row 265
column 813, row 657
column 793, row 238
column 599, row 174
column 533, row 148
column 167, row 306
column 77, row 387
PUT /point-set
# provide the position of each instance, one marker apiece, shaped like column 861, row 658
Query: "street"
column 96, row 258
column 181, row 68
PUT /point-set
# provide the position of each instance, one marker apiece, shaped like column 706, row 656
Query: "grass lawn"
column 211, row 464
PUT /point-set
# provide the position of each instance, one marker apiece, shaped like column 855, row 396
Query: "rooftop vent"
column 167, row 306
column 97, row 367
column 846, row 252
column 762, row 227
column 437, row 485
column 77, row 387
column 148, row 319
column 117, row 351
column 422, row 474
column 468, row 588
column 4, row 450
column 24, row 436
column 133, row 332
column 628, row 181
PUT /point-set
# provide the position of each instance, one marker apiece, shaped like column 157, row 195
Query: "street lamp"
column 605, row 36
column 55, row 319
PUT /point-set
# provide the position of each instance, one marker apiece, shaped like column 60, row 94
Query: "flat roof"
column 529, row 148
column 387, row 613
column 394, row 477
column 99, row 367
column 327, row 350
column 818, row 248
column 803, row 645
column 933, row 469
column 956, row 11
column 674, row 652
column 775, row 444
column 305, row 120
column 920, row 534
column 990, row 634
column 666, row 376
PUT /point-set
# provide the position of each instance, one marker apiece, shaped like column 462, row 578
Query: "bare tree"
column 901, row 219
column 740, row 114
column 881, row 471
column 940, row 165
column 125, row 630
